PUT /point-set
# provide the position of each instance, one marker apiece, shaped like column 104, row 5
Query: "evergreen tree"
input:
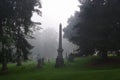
column 97, row 27
column 15, row 24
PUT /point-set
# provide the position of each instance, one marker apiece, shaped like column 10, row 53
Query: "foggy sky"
column 46, row 44
column 54, row 12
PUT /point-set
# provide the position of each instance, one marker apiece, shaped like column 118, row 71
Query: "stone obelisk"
column 59, row 59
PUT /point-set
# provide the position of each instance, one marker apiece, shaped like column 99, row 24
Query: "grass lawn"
column 81, row 69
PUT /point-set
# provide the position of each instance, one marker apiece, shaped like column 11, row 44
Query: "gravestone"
column 43, row 61
column 39, row 63
column 70, row 57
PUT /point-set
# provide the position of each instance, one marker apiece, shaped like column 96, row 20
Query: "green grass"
column 81, row 69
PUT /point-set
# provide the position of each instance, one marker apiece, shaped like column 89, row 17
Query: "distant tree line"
column 15, row 28
column 96, row 27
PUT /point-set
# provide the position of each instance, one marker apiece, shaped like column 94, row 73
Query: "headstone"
column 48, row 60
column 71, row 58
column 43, row 61
column 39, row 63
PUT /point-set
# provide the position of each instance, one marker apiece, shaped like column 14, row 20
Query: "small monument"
column 59, row 59
column 43, row 61
column 39, row 63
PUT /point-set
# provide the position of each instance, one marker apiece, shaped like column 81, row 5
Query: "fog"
column 46, row 44
column 54, row 12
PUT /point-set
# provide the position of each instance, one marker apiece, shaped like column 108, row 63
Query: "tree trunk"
column 19, row 63
column 4, row 65
column 117, row 53
column 4, row 60
column 104, row 54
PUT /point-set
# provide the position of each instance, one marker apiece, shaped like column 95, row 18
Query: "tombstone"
column 48, row 60
column 66, row 56
column 39, row 63
column 71, row 58
column 43, row 61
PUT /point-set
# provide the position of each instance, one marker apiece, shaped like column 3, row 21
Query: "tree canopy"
column 97, row 27
column 15, row 24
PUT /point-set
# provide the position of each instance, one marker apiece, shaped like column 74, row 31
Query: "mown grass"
column 80, row 69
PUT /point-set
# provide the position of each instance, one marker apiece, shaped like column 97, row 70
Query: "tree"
column 97, row 27
column 15, row 24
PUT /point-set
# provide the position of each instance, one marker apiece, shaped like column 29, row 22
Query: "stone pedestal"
column 59, row 62
column 39, row 63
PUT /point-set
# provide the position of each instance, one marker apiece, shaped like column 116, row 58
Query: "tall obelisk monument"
column 59, row 59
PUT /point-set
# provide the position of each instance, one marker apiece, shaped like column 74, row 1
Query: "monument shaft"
column 59, row 59
column 60, row 50
column 60, row 36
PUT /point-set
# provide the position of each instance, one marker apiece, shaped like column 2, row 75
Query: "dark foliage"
column 15, row 24
column 97, row 27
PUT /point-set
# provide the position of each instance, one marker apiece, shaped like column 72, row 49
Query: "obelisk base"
column 59, row 62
